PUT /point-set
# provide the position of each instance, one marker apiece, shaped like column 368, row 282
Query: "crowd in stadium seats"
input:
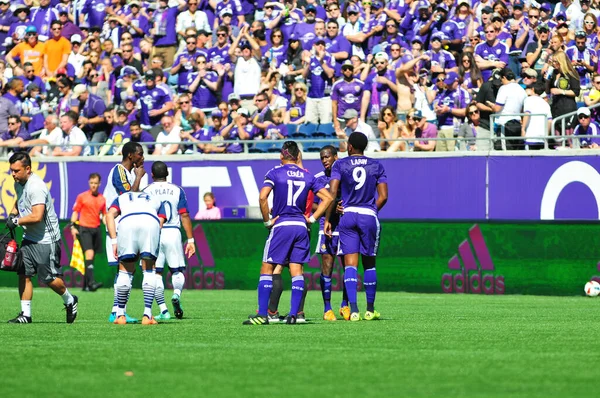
column 187, row 75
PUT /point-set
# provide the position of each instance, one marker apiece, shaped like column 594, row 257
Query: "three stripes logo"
column 472, row 273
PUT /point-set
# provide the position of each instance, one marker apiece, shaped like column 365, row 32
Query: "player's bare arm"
column 324, row 205
column 37, row 215
column 190, row 246
column 263, row 200
column 333, row 189
column 382, row 195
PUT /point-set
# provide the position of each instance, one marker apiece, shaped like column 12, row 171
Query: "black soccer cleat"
column 92, row 287
column 20, row 319
column 256, row 320
column 177, row 309
column 72, row 310
column 291, row 320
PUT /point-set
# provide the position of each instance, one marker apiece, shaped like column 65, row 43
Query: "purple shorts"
column 288, row 242
column 327, row 245
column 359, row 232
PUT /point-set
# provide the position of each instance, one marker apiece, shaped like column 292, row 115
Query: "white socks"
column 178, row 280
column 26, row 307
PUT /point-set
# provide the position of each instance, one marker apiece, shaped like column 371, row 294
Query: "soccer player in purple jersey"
column 364, row 192
column 327, row 245
column 288, row 240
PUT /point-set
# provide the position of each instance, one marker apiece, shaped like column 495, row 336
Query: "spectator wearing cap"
column 436, row 21
column 57, row 50
column 168, row 139
column 569, row 10
column 141, row 137
column 320, row 12
column 537, row 125
column 293, row 57
column 69, row 29
column 164, row 32
column 41, row 17
column 92, row 108
column 29, row 77
column 318, row 71
column 73, row 141
column 155, row 101
column 355, row 125
column 346, row 93
column 380, row 90
column 76, row 58
column 247, row 71
column 586, row 127
column 241, row 129
column 583, row 58
column 306, row 30
column 450, row 107
column 50, row 136
column 509, row 102
column 185, row 63
column 233, row 8
column 234, row 103
column 375, row 19
column 440, row 59
column 537, row 52
column 546, row 15
column 491, row 53
column 528, row 77
column 33, row 108
column 415, row 20
column 16, row 27
column 424, row 130
column 6, row 19
column 352, row 31
column 31, row 50
column 14, row 135
column 137, row 23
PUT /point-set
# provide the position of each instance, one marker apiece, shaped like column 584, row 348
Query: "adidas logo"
column 269, row 259
column 472, row 273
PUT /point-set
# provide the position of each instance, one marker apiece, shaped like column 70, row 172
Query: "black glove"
column 12, row 222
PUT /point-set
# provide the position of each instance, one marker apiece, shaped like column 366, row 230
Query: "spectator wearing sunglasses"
column 492, row 53
column 31, row 50
column 537, row 52
column 587, row 127
column 583, row 58
column 57, row 50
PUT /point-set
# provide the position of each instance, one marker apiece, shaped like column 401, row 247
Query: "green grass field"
column 427, row 345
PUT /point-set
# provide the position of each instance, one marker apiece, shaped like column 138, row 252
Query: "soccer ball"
column 592, row 289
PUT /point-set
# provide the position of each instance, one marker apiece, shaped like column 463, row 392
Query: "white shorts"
column 171, row 249
column 138, row 234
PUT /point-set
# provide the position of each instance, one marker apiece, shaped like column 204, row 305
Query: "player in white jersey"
column 171, row 251
column 138, row 231
column 126, row 176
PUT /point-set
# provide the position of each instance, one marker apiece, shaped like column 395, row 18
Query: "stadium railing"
column 563, row 119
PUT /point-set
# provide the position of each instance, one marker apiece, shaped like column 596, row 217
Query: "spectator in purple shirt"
column 91, row 121
column 318, row 70
column 491, row 54
column 381, row 90
column 346, row 93
column 243, row 130
column 15, row 135
column 42, row 18
column 165, row 32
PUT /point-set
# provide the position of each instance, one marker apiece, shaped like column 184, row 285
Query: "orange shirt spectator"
column 57, row 50
column 31, row 50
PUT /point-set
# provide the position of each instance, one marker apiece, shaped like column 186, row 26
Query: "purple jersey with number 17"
column 291, row 185
column 358, row 176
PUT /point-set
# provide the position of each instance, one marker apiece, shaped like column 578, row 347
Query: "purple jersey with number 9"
column 290, row 185
column 358, row 176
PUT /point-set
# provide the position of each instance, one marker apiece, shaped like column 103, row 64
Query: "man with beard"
column 346, row 93
column 381, row 90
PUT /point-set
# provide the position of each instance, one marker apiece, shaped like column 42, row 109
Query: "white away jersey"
column 119, row 181
column 173, row 199
column 138, row 203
